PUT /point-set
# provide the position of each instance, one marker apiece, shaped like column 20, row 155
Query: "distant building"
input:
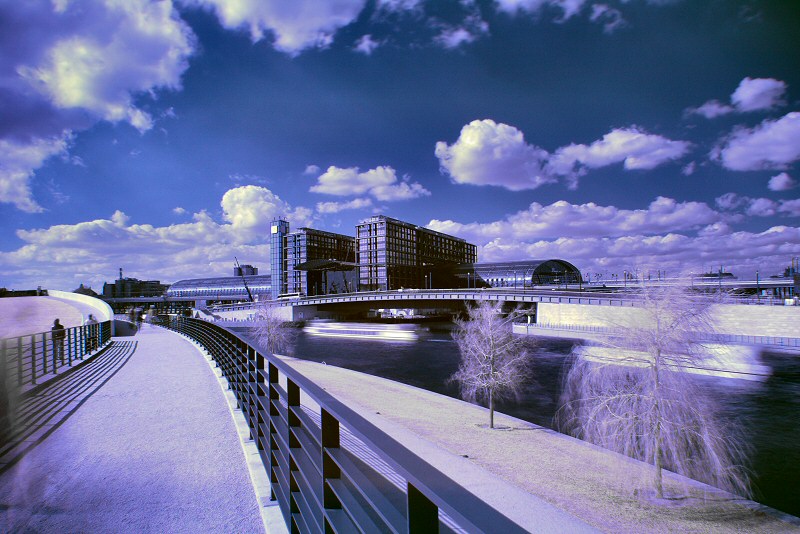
column 393, row 254
column 516, row 274
column 310, row 262
column 245, row 270
column 132, row 287
column 88, row 291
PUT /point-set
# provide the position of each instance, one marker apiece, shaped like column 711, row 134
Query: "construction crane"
column 241, row 273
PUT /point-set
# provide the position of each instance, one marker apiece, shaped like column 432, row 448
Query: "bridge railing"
column 26, row 359
column 322, row 482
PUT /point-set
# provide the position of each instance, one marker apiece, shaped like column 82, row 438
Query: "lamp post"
column 758, row 287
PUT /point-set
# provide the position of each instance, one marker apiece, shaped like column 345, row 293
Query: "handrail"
column 296, row 450
column 26, row 359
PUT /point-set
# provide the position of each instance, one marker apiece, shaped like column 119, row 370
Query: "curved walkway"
column 148, row 446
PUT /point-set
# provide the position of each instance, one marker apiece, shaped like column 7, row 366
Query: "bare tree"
column 494, row 363
column 634, row 396
column 272, row 331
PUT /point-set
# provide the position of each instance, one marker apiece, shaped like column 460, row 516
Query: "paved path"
column 139, row 440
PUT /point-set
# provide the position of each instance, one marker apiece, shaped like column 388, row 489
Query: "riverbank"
column 590, row 483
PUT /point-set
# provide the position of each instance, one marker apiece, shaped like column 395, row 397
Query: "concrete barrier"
column 100, row 309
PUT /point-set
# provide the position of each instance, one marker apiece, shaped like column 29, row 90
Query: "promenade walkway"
column 138, row 439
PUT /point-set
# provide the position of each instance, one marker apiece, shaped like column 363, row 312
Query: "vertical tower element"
column 278, row 230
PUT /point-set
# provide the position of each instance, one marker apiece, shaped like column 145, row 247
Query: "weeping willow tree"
column 494, row 362
column 633, row 395
column 272, row 331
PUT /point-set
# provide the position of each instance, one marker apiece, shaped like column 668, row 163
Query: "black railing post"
column 423, row 515
column 330, row 471
column 19, row 361
column 260, row 360
column 70, row 344
column 56, row 345
column 33, row 359
column 274, row 415
column 44, row 353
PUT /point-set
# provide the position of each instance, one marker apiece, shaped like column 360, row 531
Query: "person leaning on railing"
column 92, row 331
column 59, row 334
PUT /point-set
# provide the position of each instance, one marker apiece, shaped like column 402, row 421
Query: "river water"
column 768, row 412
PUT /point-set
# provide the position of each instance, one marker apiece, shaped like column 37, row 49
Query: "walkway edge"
column 271, row 515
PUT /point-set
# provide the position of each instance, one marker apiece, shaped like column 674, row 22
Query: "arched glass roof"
column 259, row 283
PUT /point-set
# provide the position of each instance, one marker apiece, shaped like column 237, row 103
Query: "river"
column 768, row 412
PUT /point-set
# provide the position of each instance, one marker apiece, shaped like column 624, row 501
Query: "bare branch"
column 631, row 395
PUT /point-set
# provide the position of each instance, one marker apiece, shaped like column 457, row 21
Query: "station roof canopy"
column 221, row 282
column 540, row 271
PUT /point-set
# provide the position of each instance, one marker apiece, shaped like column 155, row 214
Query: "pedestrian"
column 91, row 333
column 59, row 335
column 138, row 319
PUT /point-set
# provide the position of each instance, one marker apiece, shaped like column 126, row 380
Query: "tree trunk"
column 491, row 409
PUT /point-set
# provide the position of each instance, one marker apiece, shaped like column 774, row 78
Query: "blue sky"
column 162, row 137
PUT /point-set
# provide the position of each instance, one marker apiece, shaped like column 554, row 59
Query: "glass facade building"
column 393, row 254
column 307, row 247
column 277, row 260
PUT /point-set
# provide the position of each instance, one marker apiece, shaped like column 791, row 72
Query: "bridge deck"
column 138, row 439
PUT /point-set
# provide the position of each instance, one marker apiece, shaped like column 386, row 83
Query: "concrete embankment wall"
column 101, row 310
column 739, row 319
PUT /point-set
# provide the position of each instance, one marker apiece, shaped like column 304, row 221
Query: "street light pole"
column 758, row 287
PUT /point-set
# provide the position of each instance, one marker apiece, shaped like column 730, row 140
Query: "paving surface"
column 140, row 439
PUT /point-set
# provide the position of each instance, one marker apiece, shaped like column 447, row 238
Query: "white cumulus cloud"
column 490, row 153
column 381, row 183
column 18, row 161
column 336, row 207
column 250, row 209
column 563, row 219
column 752, row 94
column 755, row 94
column 773, row 144
column 130, row 47
column 782, row 182
column 569, row 8
column 76, row 63
column 635, row 148
column 295, row 25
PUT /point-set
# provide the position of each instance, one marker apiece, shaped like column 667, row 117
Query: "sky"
column 162, row 137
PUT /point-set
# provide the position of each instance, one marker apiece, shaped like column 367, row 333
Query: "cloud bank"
column 63, row 256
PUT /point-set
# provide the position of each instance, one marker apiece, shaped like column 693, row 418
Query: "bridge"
column 770, row 290
column 320, row 454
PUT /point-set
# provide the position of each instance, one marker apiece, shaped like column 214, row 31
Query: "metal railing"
column 322, row 484
column 26, row 359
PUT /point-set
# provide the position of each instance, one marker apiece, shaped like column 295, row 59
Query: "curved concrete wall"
column 101, row 310
column 738, row 319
